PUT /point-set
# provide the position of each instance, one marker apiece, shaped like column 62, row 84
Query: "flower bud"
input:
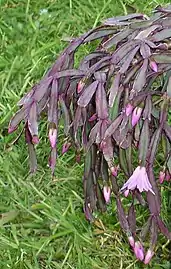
column 128, row 109
column 136, row 115
column 114, row 170
column 53, row 137
column 35, row 139
column 153, row 66
column 107, row 193
column 161, row 176
column 65, row 147
column 139, row 251
column 148, row 256
column 126, row 193
column 80, row 86
column 131, row 241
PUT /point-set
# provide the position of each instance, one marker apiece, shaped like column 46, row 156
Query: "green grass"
column 42, row 224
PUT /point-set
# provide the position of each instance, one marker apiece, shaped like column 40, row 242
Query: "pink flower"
column 167, row 178
column 153, row 66
column 131, row 241
column 128, row 109
column 148, row 256
column 126, row 193
column 106, row 193
column 161, row 177
column 52, row 137
column 136, row 115
column 35, row 139
column 114, row 170
column 139, row 251
column 80, row 86
column 65, row 147
column 139, row 180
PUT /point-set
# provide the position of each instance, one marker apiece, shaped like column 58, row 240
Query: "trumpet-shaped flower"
column 139, row 180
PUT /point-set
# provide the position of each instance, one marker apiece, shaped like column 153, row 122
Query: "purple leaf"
column 101, row 102
column 144, row 142
column 113, row 126
column 17, row 118
column 132, row 218
column 163, row 228
column 128, row 60
column 121, row 215
column 161, row 35
column 123, row 50
column 114, row 40
column 87, row 94
column 41, row 88
column 32, row 120
column 145, row 50
column 140, row 79
column 99, row 34
column 114, row 89
column 53, row 102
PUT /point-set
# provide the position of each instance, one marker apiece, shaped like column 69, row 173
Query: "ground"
column 42, row 224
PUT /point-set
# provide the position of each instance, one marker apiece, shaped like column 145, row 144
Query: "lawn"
column 42, row 223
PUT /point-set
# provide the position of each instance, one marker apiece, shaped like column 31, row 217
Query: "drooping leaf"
column 161, row 35
column 128, row 60
column 144, row 142
column 32, row 119
column 114, row 89
column 101, row 102
column 140, row 80
column 53, row 103
column 114, row 40
column 87, row 94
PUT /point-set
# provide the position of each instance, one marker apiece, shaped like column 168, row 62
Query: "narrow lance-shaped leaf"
column 101, row 102
column 113, row 126
column 114, row 40
column 169, row 87
column 114, row 89
column 99, row 34
column 153, row 233
column 162, row 58
column 144, row 142
column 154, row 201
column 122, row 161
column 87, row 94
column 121, row 215
column 41, row 89
column 145, row 33
column 32, row 120
column 161, row 35
column 114, row 110
column 95, row 131
column 145, row 229
column 31, row 151
column 140, row 80
column 148, row 108
column 17, row 118
column 66, row 115
column 107, row 148
column 53, row 102
column 128, row 60
column 123, row 50
column 145, row 50
column 132, row 218
column 163, row 228
column 119, row 19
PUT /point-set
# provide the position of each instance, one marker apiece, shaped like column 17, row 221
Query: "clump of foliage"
column 114, row 106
